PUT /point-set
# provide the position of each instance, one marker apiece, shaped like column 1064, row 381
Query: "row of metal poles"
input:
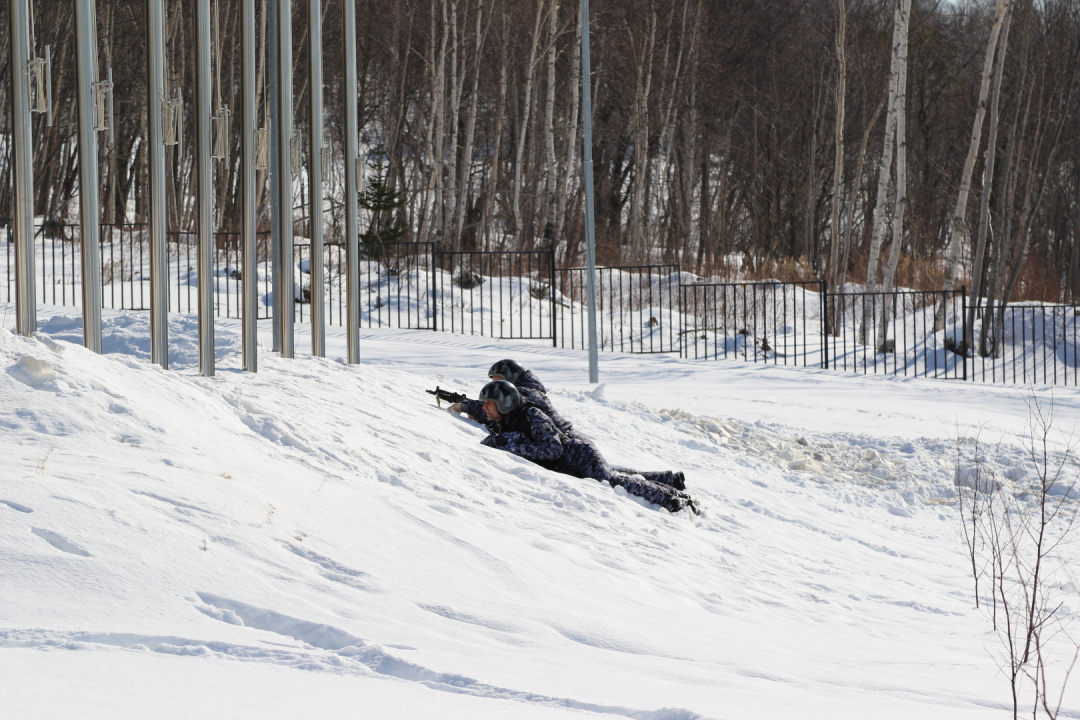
column 29, row 74
column 29, row 77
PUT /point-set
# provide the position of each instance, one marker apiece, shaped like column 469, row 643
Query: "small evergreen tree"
column 382, row 202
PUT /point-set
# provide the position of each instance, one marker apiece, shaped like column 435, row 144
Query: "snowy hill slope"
column 318, row 540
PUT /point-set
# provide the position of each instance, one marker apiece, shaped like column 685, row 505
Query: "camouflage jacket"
column 532, row 392
column 529, row 433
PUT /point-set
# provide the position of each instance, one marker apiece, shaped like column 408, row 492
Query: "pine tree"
column 382, row 202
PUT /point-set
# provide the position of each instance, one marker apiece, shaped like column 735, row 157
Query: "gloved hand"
column 500, row 441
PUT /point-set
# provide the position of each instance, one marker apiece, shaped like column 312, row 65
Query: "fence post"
column 680, row 289
column 825, row 323
column 431, row 292
column 963, row 311
column 551, row 268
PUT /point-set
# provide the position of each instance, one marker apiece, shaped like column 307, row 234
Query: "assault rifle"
column 450, row 397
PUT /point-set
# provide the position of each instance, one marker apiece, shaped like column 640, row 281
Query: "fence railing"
column 227, row 278
column 396, row 284
column 640, row 309
column 1031, row 343
column 503, row 294
column 637, row 308
column 781, row 323
column 125, row 268
column 893, row 333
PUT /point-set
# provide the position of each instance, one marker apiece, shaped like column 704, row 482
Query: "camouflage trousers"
column 664, row 477
column 583, row 460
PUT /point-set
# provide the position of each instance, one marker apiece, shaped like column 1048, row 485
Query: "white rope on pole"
column 221, row 116
column 39, row 71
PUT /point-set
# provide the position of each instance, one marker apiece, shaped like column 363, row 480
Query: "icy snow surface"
column 319, row 540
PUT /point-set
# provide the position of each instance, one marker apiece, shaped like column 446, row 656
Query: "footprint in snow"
column 345, row 645
column 16, row 506
column 59, row 542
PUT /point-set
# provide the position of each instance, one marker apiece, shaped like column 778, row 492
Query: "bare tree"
column 900, row 204
column 1019, row 532
column 956, row 224
column 838, row 142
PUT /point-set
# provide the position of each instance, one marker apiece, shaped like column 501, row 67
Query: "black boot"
column 675, row 503
column 678, row 481
column 681, row 500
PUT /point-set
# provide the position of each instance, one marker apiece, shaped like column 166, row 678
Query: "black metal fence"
column 781, row 323
column 1029, row 344
column 637, row 308
column 396, row 281
column 506, row 294
column 640, row 309
column 227, row 277
column 125, row 268
column 893, row 333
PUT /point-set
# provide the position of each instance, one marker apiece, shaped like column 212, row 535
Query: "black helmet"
column 509, row 370
column 505, row 396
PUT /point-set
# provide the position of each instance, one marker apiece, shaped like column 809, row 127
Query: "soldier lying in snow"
column 533, row 391
column 524, row 429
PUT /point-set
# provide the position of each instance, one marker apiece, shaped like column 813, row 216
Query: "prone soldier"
column 533, row 391
column 522, row 428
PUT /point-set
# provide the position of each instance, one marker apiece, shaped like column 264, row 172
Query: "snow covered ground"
column 319, row 540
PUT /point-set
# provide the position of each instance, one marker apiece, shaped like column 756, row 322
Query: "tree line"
column 913, row 143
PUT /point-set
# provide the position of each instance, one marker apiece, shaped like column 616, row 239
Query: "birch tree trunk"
column 849, row 224
column 549, row 171
column 523, row 128
column 838, row 142
column 881, row 203
column 809, row 241
column 900, row 206
column 885, row 169
column 988, row 335
column 956, row 224
column 671, row 170
column 640, row 128
column 493, row 182
column 429, row 137
column 987, row 185
column 570, row 168
column 439, row 218
column 452, row 191
column 470, row 129
column 688, row 163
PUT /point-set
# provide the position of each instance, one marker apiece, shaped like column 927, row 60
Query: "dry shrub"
column 1038, row 282
column 926, row 273
column 116, row 271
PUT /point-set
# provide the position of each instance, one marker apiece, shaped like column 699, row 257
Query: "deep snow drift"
column 319, row 540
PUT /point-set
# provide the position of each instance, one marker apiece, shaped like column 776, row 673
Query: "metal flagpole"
column 352, row 254
column 285, row 177
column 590, row 227
column 25, row 307
column 248, row 272
column 273, row 113
column 204, row 196
column 315, row 178
column 89, row 206
column 155, row 92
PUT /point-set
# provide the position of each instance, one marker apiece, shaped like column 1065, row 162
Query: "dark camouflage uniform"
column 531, row 434
column 533, row 391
